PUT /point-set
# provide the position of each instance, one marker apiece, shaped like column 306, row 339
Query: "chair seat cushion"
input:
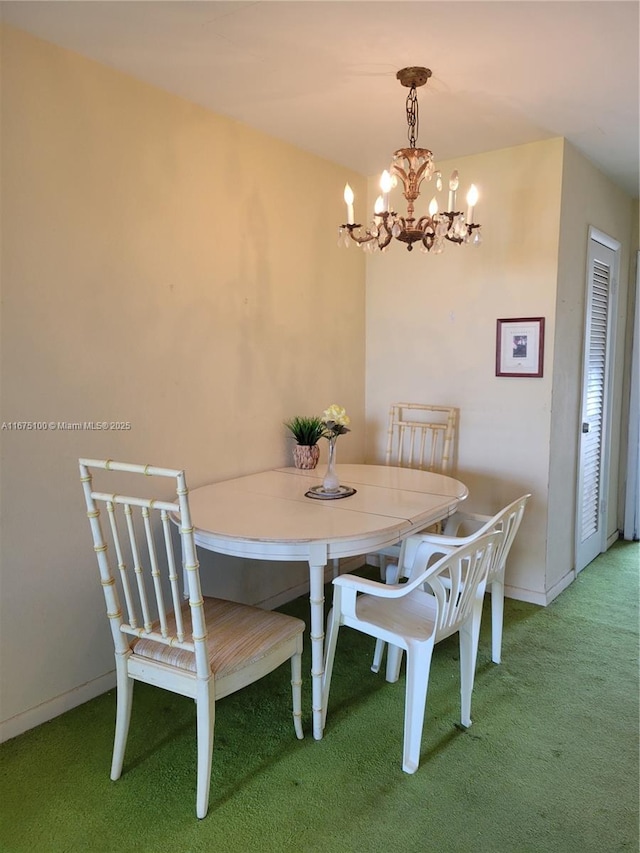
column 239, row 634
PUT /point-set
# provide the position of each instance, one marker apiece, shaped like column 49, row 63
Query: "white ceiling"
column 321, row 75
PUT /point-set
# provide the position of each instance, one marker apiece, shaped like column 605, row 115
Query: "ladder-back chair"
column 421, row 436
column 204, row 648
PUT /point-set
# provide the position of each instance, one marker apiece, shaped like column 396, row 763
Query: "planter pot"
column 305, row 456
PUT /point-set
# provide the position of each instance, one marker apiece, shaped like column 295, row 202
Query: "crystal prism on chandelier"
column 411, row 166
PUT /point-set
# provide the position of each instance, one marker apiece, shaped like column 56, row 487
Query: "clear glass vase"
column 331, row 482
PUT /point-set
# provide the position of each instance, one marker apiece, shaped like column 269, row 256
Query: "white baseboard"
column 611, row 540
column 528, row 595
column 541, row 598
column 33, row 717
column 563, row 583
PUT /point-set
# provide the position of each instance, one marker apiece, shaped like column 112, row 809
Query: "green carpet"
column 550, row 763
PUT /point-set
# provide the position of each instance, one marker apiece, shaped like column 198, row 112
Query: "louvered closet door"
column 594, row 436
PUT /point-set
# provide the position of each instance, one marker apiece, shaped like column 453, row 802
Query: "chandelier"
column 411, row 166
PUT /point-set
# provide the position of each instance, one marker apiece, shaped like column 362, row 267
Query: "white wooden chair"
column 438, row 601
column 421, row 436
column 205, row 648
column 473, row 525
column 418, row 436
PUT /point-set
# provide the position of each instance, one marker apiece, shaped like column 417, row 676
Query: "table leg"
column 316, row 600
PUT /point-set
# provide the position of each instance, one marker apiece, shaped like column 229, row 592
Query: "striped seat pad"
column 238, row 635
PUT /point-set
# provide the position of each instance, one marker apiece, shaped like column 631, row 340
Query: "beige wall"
column 166, row 267
column 431, row 332
column 588, row 199
column 431, row 337
column 161, row 266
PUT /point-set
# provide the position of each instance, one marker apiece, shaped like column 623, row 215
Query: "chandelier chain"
column 412, row 116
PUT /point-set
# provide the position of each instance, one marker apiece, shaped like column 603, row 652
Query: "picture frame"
column 520, row 347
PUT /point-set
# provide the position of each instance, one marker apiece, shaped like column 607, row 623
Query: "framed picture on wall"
column 520, row 347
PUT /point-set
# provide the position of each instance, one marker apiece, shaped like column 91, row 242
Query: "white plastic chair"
column 418, row 436
column 205, row 648
column 474, row 525
column 414, row 617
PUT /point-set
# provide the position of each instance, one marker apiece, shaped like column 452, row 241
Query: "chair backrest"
column 146, row 576
column 506, row 521
column 457, row 581
column 421, row 436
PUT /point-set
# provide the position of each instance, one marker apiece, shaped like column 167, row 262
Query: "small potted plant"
column 306, row 430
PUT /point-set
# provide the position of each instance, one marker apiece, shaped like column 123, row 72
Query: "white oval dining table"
column 267, row 516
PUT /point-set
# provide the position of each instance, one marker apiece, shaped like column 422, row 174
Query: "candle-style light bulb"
column 349, row 198
column 454, row 181
column 385, row 182
column 385, row 185
column 378, row 207
column 433, row 207
column 472, row 200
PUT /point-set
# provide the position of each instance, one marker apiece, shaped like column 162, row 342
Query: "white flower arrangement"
column 336, row 421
